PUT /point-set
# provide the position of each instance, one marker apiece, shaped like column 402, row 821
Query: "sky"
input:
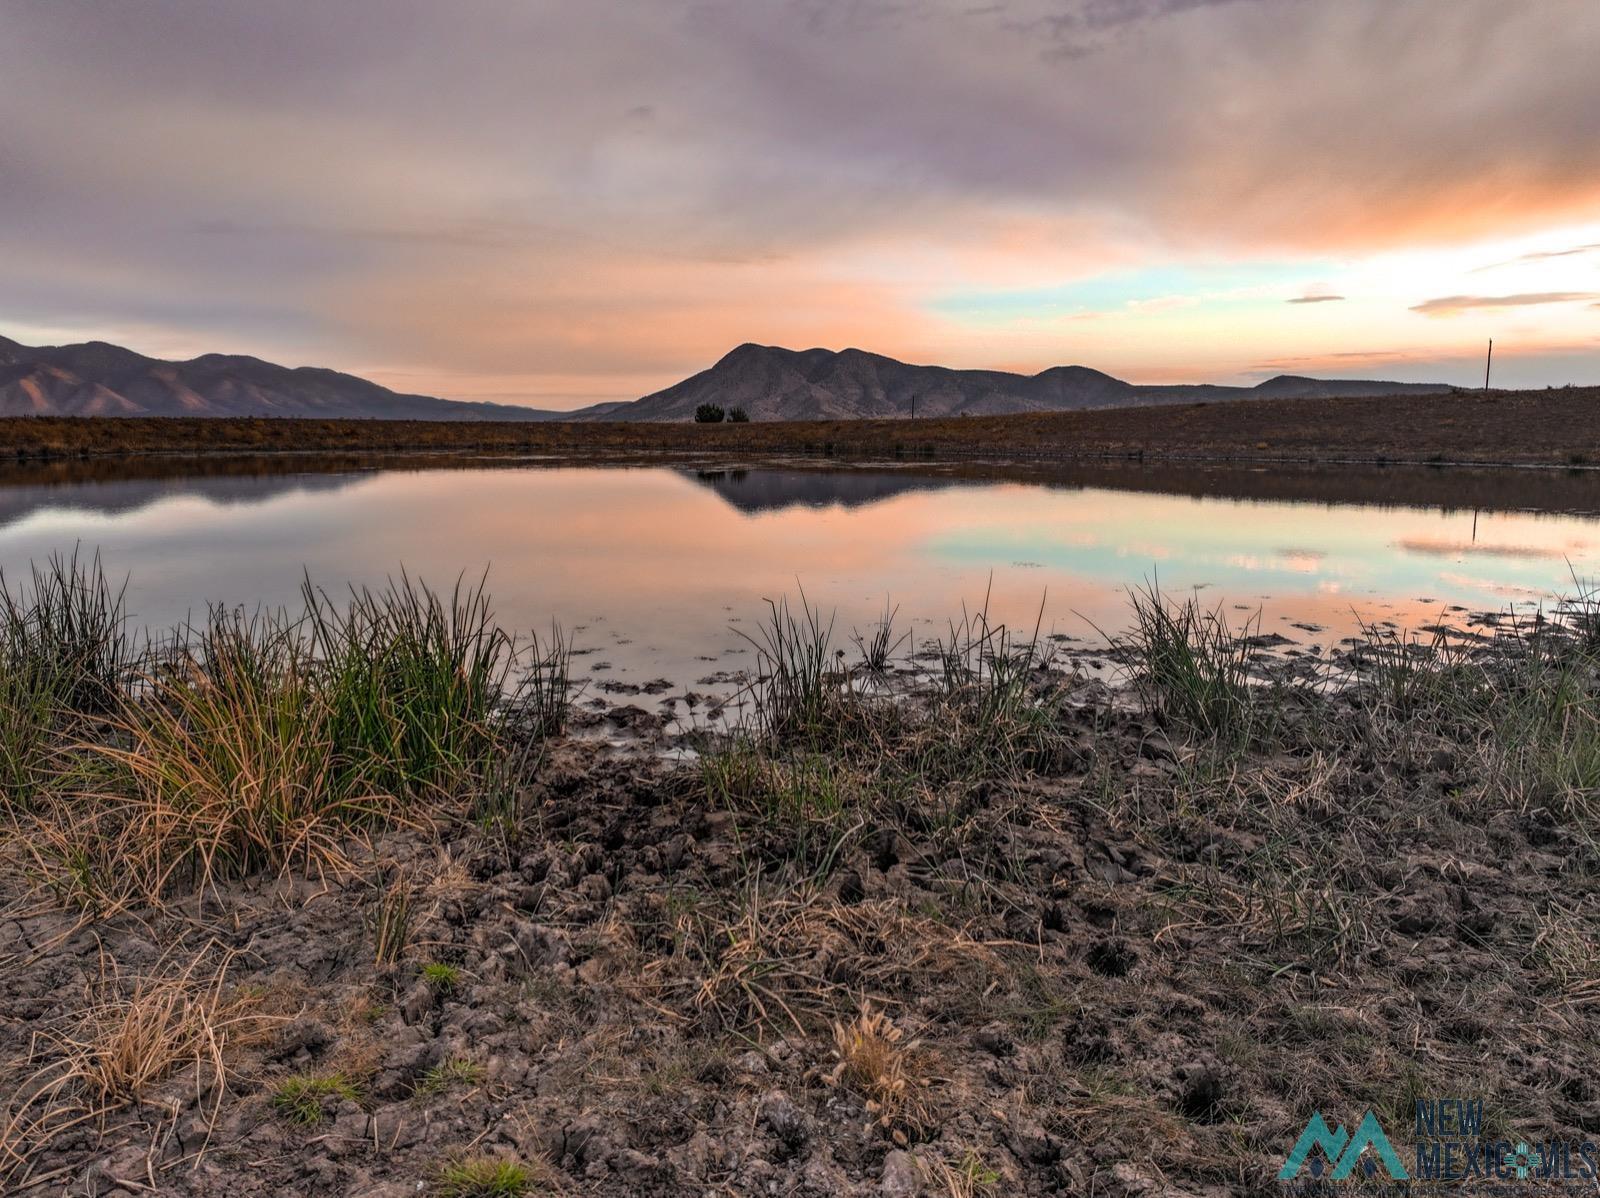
column 557, row 202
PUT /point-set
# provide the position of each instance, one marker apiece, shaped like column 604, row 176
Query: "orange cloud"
column 1450, row 305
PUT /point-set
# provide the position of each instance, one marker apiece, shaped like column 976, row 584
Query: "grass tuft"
column 797, row 694
column 875, row 1061
column 226, row 765
column 455, row 1073
column 132, row 1033
column 1194, row 663
column 389, row 917
column 443, row 977
column 880, row 646
column 300, row 1099
column 484, row 1177
column 65, row 659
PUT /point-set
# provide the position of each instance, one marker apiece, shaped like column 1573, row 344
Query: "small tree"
column 738, row 416
column 708, row 413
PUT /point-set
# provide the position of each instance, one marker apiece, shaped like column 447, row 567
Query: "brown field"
column 1548, row 428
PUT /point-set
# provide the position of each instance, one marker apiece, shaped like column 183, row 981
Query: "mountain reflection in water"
column 654, row 568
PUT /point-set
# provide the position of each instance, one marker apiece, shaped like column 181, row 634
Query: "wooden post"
column 1488, row 362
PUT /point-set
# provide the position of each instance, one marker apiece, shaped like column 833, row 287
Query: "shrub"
column 738, row 416
column 708, row 413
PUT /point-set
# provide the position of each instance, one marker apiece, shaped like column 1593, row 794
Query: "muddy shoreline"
column 1118, row 939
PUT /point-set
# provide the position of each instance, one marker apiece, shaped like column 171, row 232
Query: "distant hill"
column 772, row 383
column 99, row 379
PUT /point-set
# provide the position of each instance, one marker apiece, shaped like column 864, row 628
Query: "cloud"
column 1450, row 305
column 599, row 197
column 1541, row 256
column 1314, row 299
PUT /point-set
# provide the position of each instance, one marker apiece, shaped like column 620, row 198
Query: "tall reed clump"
column 225, row 762
column 261, row 741
column 800, row 694
column 993, row 711
column 543, row 695
column 1196, row 666
column 879, row 647
column 1406, row 678
column 65, row 657
column 414, row 685
column 826, row 744
column 1526, row 704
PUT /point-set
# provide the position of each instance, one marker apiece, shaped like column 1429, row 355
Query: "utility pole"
column 913, row 405
column 1488, row 362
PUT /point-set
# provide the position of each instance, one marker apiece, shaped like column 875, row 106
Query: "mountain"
column 772, row 383
column 769, row 382
column 99, row 379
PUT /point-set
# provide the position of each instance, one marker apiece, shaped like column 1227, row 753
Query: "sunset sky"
column 555, row 202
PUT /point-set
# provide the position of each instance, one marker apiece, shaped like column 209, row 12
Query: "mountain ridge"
column 97, row 378
column 774, row 383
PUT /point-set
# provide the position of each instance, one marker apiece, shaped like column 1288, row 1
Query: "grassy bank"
column 328, row 902
column 1545, row 427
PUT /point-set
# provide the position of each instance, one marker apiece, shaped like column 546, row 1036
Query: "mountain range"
column 770, row 383
column 100, row 379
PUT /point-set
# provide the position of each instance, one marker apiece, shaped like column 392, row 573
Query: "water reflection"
column 1569, row 492
column 17, row 503
column 651, row 566
column 773, row 490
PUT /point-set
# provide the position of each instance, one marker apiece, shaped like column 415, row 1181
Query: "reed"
column 1194, row 663
column 413, row 683
column 65, row 658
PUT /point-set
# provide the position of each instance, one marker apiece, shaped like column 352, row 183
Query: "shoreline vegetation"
column 1548, row 428
column 332, row 902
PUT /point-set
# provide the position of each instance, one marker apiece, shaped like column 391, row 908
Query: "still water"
column 653, row 570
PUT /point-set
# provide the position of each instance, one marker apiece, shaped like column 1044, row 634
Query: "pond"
column 654, row 571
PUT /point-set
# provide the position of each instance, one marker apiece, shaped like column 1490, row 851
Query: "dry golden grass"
column 390, row 915
column 794, row 956
column 967, row 1178
column 133, row 1033
column 888, row 1071
column 226, row 773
